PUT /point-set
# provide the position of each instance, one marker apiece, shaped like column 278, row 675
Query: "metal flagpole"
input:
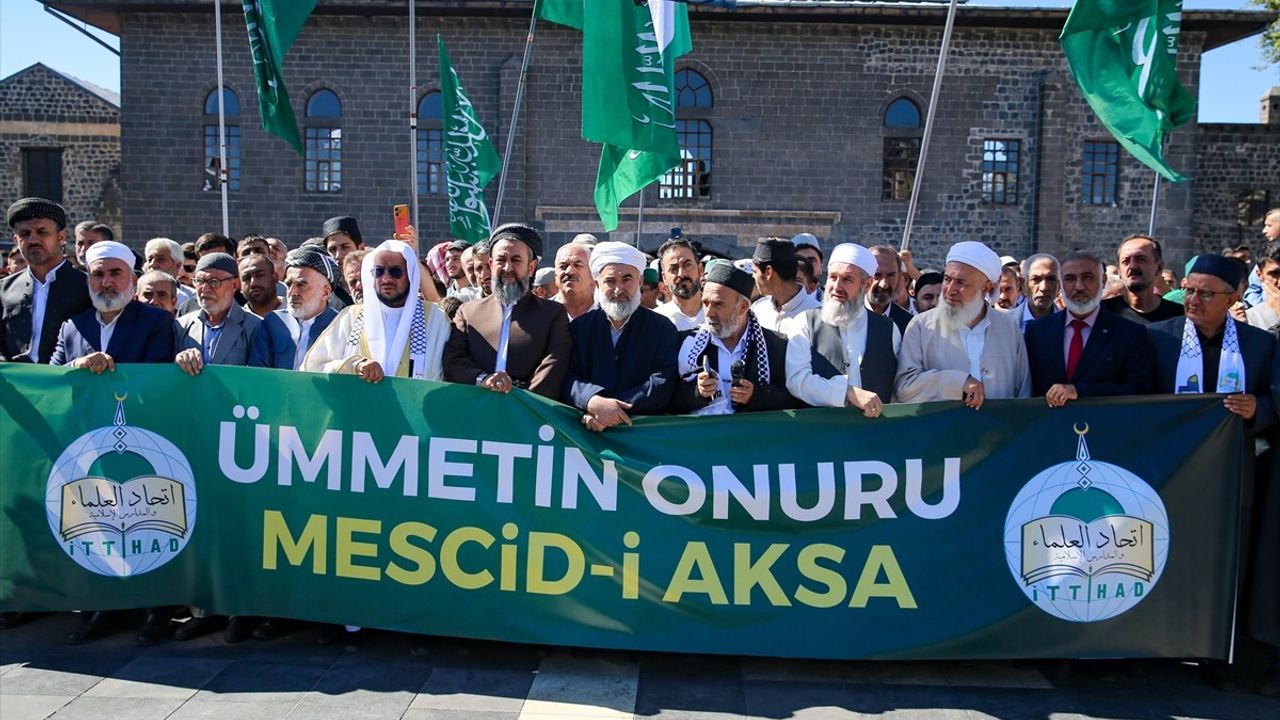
column 515, row 118
column 639, row 218
column 928, row 125
column 223, row 171
column 413, row 113
column 1155, row 201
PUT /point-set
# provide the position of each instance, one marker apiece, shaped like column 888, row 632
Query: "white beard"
column 957, row 318
column 841, row 314
column 308, row 310
column 614, row 310
column 104, row 304
column 1086, row 307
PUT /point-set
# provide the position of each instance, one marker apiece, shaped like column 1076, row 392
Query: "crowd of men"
column 616, row 333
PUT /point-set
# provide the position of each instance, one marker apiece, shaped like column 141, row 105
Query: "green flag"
column 563, row 12
column 272, row 29
column 628, row 98
column 1123, row 54
column 470, row 160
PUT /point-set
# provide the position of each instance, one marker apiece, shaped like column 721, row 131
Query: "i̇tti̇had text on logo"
column 1086, row 540
column 121, row 528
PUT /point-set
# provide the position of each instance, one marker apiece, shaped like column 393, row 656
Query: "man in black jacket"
column 35, row 302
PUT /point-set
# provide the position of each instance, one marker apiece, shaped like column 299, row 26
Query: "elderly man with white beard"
column 116, row 329
column 624, row 356
column 393, row 332
column 731, row 364
column 964, row 349
column 840, row 355
column 286, row 334
column 1085, row 351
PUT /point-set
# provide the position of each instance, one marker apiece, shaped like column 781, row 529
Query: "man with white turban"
column 393, row 332
column 841, row 355
column 962, row 349
column 286, row 335
column 624, row 356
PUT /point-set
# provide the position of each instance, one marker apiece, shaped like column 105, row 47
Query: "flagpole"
column 413, row 110
column 918, row 180
column 639, row 218
column 223, row 170
column 1155, row 200
column 515, row 118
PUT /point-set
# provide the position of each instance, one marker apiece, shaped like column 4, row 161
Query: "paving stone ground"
column 383, row 679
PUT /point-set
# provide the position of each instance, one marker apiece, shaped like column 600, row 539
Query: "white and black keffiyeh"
column 756, row 349
column 1189, row 376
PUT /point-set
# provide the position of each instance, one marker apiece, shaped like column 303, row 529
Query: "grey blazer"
column 233, row 345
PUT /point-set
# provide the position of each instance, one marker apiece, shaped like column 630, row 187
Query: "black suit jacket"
column 640, row 370
column 68, row 295
column 773, row 396
column 143, row 334
column 1260, row 368
column 1116, row 360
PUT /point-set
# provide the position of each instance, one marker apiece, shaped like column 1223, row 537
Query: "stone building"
column 60, row 139
column 1237, row 177
column 796, row 116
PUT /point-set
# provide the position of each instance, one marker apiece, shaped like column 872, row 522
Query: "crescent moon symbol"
column 1080, row 432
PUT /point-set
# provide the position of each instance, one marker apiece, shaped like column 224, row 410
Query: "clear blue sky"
column 1230, row 86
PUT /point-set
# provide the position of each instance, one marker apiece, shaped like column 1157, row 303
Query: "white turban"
column 609, row 253
column 977, row 256
column 855, row 255
column 110, row 249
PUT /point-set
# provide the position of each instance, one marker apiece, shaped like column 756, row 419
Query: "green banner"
column 470, row 160
column 1103, row 529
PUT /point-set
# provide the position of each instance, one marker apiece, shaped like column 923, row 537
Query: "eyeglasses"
column 212, row 283
column 1205, row 295
column 395, row 271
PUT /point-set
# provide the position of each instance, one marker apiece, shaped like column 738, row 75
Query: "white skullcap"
column 110, row 249
column 855, row 255
column 608, row 253
column 977, row 256
column 1008, row 260
column 743, row 264
column 806, row 240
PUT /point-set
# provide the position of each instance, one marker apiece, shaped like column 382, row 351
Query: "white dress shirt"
column 301, row 342
column 772, row 317
column 39, row 303
column 828, row 392
column 672, row 312
column 106, row 329
column 975, row 339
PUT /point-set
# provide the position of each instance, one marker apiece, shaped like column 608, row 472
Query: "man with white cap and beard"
column 840, row 355
column 624, row 356
column 393, row 332
column 964, row 349
column 731, row 364
column 286, row 334
column 116, row 329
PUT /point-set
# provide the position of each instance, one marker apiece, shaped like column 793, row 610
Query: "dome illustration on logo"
column 1086, row 540
column 121, row 500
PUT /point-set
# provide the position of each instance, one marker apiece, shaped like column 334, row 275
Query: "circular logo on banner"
column 121, row 500
column 1086, row 540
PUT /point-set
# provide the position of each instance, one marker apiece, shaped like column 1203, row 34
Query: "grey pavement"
column 382, row 679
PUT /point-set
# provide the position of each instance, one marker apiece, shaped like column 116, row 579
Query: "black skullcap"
column 219, row 261
column 521, row 233
column 724, row 273
column 343, row 224
column 459, row 245
column 1228, row 270
column 928, row 278
column 772, row 250
column 308, row 257
column 34, row 208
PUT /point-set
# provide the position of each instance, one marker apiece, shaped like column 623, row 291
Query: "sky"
column 1230, row 88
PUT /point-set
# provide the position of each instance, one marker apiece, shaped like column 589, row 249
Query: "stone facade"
column 41, row 108
column 799, row 97
column 1235, row 161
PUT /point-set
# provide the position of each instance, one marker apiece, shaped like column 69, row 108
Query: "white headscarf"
column 386, row 330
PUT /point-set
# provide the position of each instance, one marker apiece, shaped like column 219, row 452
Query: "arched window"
column 431, row 179
column 902, row 133
column 212, row 156
column 323, row 142
column 694, row 101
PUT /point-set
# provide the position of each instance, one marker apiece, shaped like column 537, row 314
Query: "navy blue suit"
column 273, row 344
column 1257, row 347
column 640, row 370
column 1116, row 360
column 142, row 334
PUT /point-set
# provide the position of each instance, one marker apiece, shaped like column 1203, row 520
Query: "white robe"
column 334, row 351
column 933, row 363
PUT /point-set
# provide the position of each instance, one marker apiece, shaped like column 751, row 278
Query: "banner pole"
column 515, row 118
column 413, row 114
column 918, row 180
column 223, row 171
column 1155, row 201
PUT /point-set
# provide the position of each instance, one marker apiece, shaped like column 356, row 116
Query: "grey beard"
column 1086, row 307
column 684, row 293
column 841, row 314
column 727, row 329
column 510, row 292
column 307, row 311
column 104, row 304
column 957, row 318
column 614, row 310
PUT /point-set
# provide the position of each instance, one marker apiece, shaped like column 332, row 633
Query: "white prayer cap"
column 743, row 264
column 806, row 240
column 1008, row 260
column 110, row 249
column 855, row 255
column 977, row 256
column 608, row 253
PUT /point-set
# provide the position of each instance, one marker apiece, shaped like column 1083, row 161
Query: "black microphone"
column 736, row 371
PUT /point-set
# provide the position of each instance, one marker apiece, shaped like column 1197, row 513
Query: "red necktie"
column 1076, row 347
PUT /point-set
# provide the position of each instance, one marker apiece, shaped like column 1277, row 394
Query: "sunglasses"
column 396, row 272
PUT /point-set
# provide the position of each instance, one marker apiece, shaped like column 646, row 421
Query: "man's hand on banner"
column 191, row 361
column 96, row 363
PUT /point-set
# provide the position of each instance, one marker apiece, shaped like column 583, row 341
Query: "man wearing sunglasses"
column 393, row 331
